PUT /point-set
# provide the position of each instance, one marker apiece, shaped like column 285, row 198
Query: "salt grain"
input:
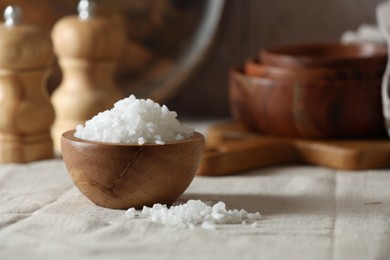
column 131, row 213
column 196, row 213
column 133, row 120
column 254, row 216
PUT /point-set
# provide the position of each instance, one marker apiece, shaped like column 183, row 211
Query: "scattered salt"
column 133, row 120
column 131, row 213
column 208, row 225
column 196, row 213
column 254, row 216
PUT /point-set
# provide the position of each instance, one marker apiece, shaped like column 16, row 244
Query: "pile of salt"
column 195, row 213
column 133, row 120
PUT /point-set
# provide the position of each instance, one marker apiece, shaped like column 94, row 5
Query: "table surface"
column 309, row 212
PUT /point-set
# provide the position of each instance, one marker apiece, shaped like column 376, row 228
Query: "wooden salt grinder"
column 26, row 112
column 88, row 47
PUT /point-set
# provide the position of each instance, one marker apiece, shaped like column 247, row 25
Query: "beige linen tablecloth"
column 308, row 213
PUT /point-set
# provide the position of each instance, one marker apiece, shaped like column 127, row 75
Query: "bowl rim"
column 239, row 71
column 295, row 54
column 256, row 62
column 69, row 135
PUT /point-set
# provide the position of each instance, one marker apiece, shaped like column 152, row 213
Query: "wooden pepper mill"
column 88, row 47
column 26, row 112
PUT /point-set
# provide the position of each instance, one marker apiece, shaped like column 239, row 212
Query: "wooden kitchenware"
column 307, row 108
column 88, row 47
column 325, row 55
column 231, row 149
column 256, row 68
column 26, row 111
column 309, row 103
column 130, row 175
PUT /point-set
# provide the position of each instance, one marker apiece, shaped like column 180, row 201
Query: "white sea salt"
column 131, row 213
column 195, row 213
column 133, row 120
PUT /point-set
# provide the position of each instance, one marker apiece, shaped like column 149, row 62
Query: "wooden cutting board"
column 231, row 149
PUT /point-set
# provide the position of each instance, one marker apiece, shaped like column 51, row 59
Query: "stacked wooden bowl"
column 329, row 90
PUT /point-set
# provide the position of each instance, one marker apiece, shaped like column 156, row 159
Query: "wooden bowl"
column 122, row 176
column 255, row 68
column 326, row 55
column 315, row 109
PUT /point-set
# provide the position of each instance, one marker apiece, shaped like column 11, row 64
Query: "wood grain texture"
column 124, row 175
column 24, row 47
column 26, row 111
column 26, row 118
column 308, row 108
column 328, row 55
column 98, row 38
column 232, row 149
column 255, row 68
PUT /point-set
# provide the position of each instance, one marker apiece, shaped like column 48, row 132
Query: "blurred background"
column 252, row 24
column 180, row 51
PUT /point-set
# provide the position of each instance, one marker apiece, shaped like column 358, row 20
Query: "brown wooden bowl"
column 297, row 108
column 122, row 176
column 255, row 68
column 326, row 55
